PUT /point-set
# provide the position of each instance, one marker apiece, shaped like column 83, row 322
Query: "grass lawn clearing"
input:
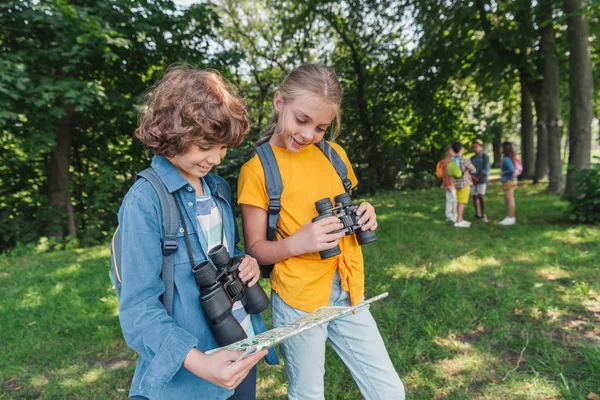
column 488, row 312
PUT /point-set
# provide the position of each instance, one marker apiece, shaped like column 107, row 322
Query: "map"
column 277, row 335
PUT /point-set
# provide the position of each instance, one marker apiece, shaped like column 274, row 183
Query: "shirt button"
column 190, row 204
column 180, row 230
column 189, row 188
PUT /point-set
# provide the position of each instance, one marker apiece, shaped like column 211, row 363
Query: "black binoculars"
column 346, row 213
column 219, row 289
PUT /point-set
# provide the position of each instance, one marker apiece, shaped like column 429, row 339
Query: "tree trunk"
column 59, row 199
column 580, row 90
column 527, row 149
column 497, row 145
column 552, row 91
column 375, row 174
column 541, row 158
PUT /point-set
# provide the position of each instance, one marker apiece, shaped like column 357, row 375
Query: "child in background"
column 192, row 118
column 448, row 185
column 509, row 183
column 481, row 162
column 462, row 184
column 306, row 105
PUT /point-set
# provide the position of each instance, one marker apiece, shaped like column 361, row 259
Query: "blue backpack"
column 275, row 186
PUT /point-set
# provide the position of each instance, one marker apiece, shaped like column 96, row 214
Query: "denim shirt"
column 507, row 168
column 481, row 162
column 162, row 342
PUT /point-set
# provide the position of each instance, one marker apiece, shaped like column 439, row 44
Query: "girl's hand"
column 220, row 367
column 316, row 236
column 249, row 272
column 367, row 219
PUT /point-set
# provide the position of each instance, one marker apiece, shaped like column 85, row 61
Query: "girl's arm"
column 507, row 166
column 311, row 238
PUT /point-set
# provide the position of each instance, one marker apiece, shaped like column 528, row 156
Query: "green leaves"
column 585, row 200
column 78, row 69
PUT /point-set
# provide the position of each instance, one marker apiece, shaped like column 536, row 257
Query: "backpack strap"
column 274, row 186
column 169, row 242
column 337, row 162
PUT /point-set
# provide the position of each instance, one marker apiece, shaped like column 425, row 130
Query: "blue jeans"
column 246, row 390
column 354, row 337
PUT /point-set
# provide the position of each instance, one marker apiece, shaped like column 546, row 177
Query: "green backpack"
column 454, row 170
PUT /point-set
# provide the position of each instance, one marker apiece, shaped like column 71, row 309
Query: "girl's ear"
column 278, row 101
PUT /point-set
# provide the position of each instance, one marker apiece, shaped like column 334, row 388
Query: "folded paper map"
column 277, row 335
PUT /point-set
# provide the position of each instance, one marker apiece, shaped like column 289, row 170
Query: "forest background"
column 486, row 312
column 416, row 74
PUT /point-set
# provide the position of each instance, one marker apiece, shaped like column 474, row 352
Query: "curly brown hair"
column 187, row 107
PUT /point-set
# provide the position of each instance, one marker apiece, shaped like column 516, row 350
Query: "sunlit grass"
column 462, row 306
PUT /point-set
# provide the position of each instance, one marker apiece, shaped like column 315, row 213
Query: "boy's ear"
column 277, row 101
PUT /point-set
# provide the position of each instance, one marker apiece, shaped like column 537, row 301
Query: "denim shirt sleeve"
column 486, row 165
column 147, row 327
column 507, row 167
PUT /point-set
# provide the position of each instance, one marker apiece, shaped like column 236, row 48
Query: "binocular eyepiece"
column 346, row 213
column 219, row 289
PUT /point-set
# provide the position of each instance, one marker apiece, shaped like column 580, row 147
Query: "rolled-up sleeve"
column 147, row 327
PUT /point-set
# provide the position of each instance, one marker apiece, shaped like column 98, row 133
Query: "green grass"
column 463, row 305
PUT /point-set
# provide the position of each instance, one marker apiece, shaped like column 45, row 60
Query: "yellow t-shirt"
column 304, row 282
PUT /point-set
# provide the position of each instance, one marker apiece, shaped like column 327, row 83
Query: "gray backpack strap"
column 274, row 186
column 337, row 162
column 274, row 190
column 169, row 242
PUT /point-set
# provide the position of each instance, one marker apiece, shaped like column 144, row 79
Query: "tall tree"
column 551, row 92
column 508, row 28
column 527, row 143
column 541, row 157
column 581, row 88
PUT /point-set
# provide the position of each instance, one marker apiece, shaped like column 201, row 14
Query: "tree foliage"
column 416, row 75
column 71, row 75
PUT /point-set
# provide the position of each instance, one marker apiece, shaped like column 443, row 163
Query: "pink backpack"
column 518, row 167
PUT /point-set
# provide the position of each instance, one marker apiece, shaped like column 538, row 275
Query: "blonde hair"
column 188, row 106
column 310, row 80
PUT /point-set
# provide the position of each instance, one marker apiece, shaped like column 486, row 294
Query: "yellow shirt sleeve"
column 251, row 186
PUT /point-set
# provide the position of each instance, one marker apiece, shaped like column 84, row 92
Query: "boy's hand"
column 316, row 236
column 220, row 367
column 249, row 272
column 367, row 219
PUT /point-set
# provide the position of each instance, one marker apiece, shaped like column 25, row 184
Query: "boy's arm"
column 486, row 165
column 221, row 367
column 146, row 326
